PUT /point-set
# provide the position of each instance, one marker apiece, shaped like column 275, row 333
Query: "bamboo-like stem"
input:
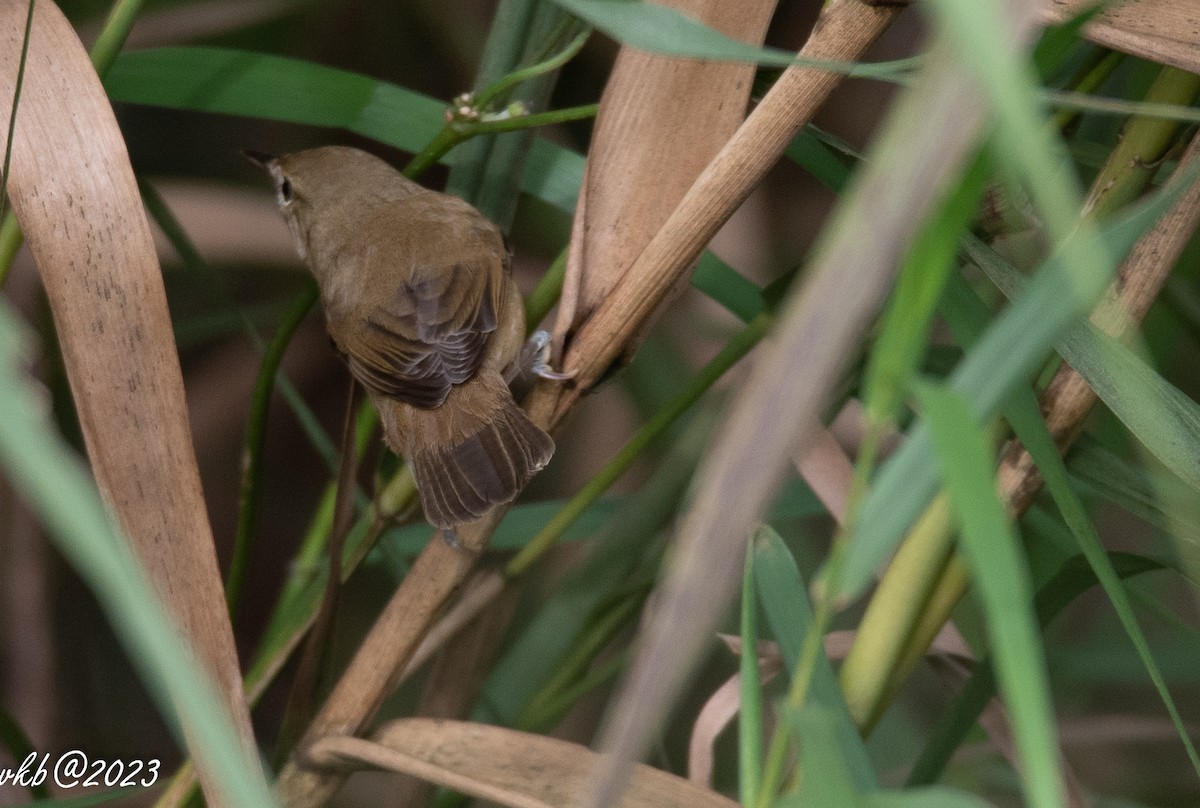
column 899, row 625
column 256, row 437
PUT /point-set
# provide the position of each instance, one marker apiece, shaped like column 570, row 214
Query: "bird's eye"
column 285, row 192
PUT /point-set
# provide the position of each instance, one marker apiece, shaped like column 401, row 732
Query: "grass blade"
column 991, row 546
column 1163, row 418
column 1026, row 420
column 784, row 599
column 750, row 716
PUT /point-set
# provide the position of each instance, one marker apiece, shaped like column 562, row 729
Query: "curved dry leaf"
column 661, row 120
column 458, row 673
column 1165, row 31
column 823, row 464
column 504, row 766
column 74, row 194
column 723, row 706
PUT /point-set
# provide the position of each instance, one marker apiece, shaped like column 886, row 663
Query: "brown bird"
column 419, row 298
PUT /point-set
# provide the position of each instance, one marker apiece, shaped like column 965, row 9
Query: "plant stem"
column 458, row 131
column 546, row 293
column 750, row 713
column 256, row 434
column 504, row 84
column 114, row 33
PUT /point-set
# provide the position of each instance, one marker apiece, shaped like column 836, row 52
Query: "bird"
column 420, row 300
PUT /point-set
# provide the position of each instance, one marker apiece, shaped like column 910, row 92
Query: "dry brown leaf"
column 721, row 708
column 1165, row 31
column 74, row 193
column 661, row 120
column 504, row 766
column 827, row 470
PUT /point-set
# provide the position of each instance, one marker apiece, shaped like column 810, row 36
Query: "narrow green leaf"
column 258, row 85
column 521, row 522
column 813, row 150
column 784, row 599
column 1057, row 42
column 731, row 289
column 1025, row 417
column 1163, row 418
column 992, row 548
column 750, row 714
column 659, row 29
column 1072, row 579
column 825, row 779
column 908, row 318
column 824, row 774
column 1146, row 495
column 935, row 797
column 235, row 82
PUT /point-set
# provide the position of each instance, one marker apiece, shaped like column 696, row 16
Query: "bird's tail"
column 475, row 451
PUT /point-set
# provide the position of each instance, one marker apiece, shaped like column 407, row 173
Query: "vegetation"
column 955, row 481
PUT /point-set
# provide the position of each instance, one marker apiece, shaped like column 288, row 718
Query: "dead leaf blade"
column 512, row 768
column 75, row 195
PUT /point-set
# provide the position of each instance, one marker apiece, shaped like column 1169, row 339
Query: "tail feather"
column 477, row 450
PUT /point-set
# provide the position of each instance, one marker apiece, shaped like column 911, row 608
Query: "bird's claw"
column 450, row 536
column 539, row 346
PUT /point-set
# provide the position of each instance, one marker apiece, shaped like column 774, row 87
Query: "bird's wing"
column 431, row 335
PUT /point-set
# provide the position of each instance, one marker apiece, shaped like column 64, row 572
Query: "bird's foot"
column 538, row 348
column 531, row 364
column 450, row 536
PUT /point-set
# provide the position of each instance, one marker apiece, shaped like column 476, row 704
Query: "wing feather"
column 431, row 335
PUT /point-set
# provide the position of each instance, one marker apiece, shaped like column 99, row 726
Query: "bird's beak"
column 260, row 158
